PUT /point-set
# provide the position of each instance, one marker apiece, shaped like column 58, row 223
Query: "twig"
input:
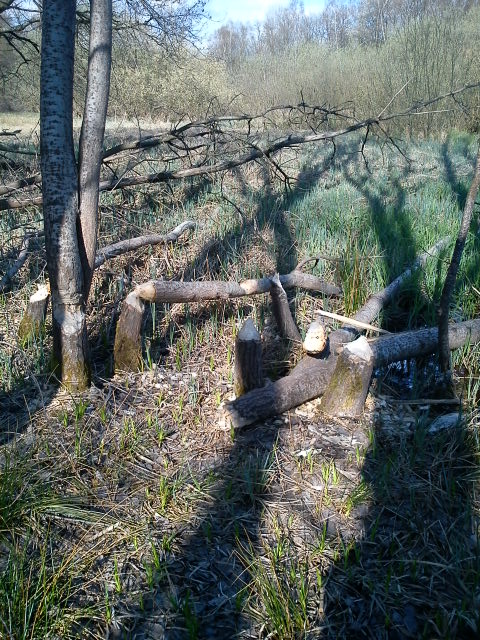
column 350, row 321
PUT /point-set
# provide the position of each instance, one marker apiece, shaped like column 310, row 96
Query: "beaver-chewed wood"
column 248, row 369
column 128, row 338
column 281, row 311
column 33, row 321
column 348, row 387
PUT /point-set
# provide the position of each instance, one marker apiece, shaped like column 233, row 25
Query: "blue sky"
column 251, row 10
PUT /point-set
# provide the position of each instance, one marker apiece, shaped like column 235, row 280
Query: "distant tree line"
column 360, row 54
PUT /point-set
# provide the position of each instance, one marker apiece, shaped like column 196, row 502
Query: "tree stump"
column 281, row 311
column 33, row 321
column 348, row 387
column 315, row 339
column 128, row 337
column 248, row 370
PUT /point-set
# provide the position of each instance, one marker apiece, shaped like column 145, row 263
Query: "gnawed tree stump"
column 33, row 320
column 281, row 311
column 310, row 378
column 248, row 369
column 315, row 341
column 128, row 337
column 348, row 387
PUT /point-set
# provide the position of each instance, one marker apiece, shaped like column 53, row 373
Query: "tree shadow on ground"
column 415, row 572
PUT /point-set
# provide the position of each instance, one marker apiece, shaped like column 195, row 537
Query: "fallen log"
column 119, row 248
column 281, row 311
column 410, row 344
column 204, row 290
column 310, row 377
column 169, row 291
column 311, row 381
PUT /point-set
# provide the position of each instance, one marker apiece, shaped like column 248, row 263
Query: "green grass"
column 173, row 519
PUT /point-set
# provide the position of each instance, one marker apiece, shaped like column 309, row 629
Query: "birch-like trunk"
column 60, row 193
column 93, row 129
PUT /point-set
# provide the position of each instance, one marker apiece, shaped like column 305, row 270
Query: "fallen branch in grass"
column 18, row 264
column 451, row 277
column 311, row 376
column 120, row 248
column 181, row 144
column 127, row 352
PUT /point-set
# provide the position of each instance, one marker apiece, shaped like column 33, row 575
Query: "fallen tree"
column 311, row 376
column 128, row 343
column 206, row 147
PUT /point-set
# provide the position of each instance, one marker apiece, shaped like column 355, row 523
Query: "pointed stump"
column 128, row 337
column 248, row 370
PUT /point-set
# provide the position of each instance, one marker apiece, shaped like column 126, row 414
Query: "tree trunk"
column 450, row 279
column 93, row 129
column 60, row 194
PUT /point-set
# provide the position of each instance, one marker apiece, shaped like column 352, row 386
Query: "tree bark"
column 60, row 194
column 92, row 133
column 451, row 277
column 248, row 370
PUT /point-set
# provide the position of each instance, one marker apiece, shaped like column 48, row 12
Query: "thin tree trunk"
column 60, row 193
column 93, row 129
column 451, row 277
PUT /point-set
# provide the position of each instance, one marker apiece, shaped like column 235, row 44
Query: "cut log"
column 316, row 338
column 248, row 370
column 33, row 321
column 128, row 338
column 310, row 377
column 412, row 344
column 281, row 311
column 119, row 248
column 177, row 292
column 348, row 387
column 174, row 291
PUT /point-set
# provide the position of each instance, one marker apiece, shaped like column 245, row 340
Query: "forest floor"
column 129, row 512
